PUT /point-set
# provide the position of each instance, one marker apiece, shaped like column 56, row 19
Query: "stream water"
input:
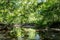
column 37, row 37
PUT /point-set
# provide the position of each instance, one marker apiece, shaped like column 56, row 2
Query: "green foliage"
column 16, row 11
column 29, row 11
column 49, row 11
column 22, row 32
column 15, row 32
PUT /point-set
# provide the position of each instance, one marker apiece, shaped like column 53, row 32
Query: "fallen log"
column 55, row 29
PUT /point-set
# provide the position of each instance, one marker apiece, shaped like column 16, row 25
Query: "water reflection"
column 37, row 37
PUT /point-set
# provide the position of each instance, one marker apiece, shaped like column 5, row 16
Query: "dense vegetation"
column 41, row 13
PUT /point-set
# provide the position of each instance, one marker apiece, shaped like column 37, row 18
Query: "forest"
column 30, row 19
